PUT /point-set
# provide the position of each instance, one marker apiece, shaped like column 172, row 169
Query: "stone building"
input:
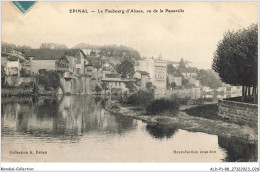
column 44, row 58
column 142, row 78
column 157, row 72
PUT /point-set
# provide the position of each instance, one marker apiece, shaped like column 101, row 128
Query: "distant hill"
column 7, row 47
column 112, row 52
column 86, row 46
column 53, row 46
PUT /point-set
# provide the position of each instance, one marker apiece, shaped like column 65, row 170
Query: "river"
column 78, row 129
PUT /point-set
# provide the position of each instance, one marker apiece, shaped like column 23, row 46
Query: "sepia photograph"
column 129, row 82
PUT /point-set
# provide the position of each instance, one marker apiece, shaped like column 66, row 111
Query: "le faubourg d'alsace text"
column 116, row 11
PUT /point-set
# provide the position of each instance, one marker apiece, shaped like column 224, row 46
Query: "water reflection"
column 238, row 149
column 80, row 127
column 159, row 131
column 62, row 117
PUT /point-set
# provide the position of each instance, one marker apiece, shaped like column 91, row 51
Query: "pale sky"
column 192, row 35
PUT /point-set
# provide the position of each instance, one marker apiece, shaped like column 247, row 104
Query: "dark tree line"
column 235, row 60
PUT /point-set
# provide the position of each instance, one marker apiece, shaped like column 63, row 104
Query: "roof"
column 49, row 54
column 143, row 72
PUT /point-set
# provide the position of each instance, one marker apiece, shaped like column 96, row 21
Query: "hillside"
column 112, row 52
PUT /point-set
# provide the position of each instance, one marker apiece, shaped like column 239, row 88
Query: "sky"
column 192, row 35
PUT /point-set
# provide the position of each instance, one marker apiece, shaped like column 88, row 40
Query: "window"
column 78, row 71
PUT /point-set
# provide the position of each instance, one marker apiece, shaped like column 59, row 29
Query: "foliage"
column 27, row 85
column 171, row 70
column 126, row 69
column 173, row 85
column 98, row 89
column 3, row 75
column 184, row 81
column 182, row 64
column 104, row 86
column 182, row 101
column 25, row 73
column 163, row 106
column 48, row 79
column 209, row 79
column 113, row 52
column 140, row 98
column 150, row 86
column 161, row 131
column 130, row 86
column 235, row 59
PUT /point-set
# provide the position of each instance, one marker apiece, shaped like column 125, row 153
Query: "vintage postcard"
column 129, row 82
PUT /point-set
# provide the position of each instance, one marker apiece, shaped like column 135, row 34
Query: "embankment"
column 190, row 123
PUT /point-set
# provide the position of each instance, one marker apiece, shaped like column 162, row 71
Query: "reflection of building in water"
column 86, row 114
column 239, row 149
column 70, row 117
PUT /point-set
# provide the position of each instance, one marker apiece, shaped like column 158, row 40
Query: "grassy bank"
column 208, row 111
column 195, row 118
column 24, row 92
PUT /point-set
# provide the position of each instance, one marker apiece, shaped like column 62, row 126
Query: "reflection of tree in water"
column 65, row 118
column 238, row 149
column 159, row 131
column 46, row 108
column 124, row 123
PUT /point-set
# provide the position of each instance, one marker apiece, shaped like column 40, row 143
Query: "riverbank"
column 187, row 122
column 25, row 92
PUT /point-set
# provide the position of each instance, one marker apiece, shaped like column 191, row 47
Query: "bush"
column 140, row 98
column 48, row 79
column 182, row 101
column 162, row 106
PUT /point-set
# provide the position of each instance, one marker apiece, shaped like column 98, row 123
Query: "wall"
column 238, row 112
column 177, row 80
column 26, row 79
column 42, row 64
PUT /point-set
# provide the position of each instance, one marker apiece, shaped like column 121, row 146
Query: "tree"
column 150, row 86
column 171, row 70
column 126, row 68
column 184, row 82
column 48, row 79
column 182, row 64
column 25, row 73
column 209, row 78
column 3, row 75
column 104, row 86
column 130, row 85
column 235, row 59
column 168, row 85
column 98, row 89
column 173, row 85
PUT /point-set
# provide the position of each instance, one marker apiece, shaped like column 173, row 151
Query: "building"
column 12, row 62
column 193, row 81
column 45, row 58
column 176, row 79
column 114, row 82
column 82, row 74
column 71, row 69
column 157, row 72
column 189, row 71
column 142, row 78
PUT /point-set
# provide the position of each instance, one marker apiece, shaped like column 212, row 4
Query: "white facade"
column 11, row 65
column 157, row 72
